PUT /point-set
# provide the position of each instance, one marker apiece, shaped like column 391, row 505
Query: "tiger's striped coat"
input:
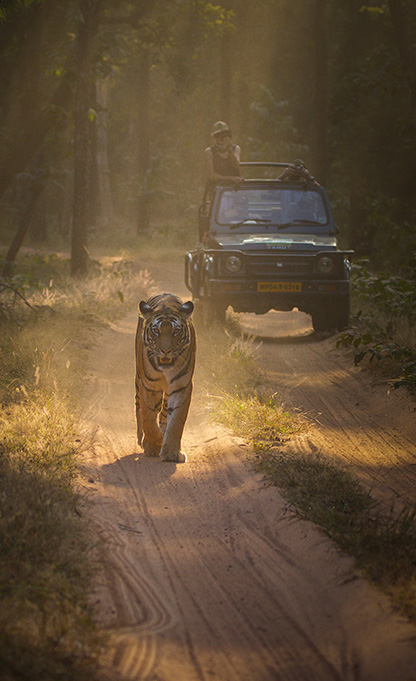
column 165, row 361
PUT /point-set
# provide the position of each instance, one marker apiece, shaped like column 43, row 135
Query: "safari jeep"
column 270, row 244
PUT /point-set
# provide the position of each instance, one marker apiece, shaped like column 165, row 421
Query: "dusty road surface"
column 207, row 574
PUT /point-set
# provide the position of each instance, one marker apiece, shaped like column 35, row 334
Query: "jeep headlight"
column 325, row 265
column 233, row 264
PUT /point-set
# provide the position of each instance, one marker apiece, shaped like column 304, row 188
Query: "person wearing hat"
column 223, row 157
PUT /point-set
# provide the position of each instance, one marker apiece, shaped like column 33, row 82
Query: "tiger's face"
column 166, row 334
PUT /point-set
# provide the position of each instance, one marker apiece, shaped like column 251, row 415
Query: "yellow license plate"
column 281, row 286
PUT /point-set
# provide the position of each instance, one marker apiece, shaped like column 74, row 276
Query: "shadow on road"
column 152, row 469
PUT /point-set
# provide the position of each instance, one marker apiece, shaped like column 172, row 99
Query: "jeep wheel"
column 335, row 317
column 208, row 310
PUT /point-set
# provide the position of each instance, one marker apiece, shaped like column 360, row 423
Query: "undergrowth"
column 225, row 363
column 46, row 632
column 383, row 544
column 44, row 284
column 385, row 325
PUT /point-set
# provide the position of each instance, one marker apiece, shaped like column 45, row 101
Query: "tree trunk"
column 31, row 202
column 357, row 217
column 105, row 215
column 18, row 155
column 143, row 89
column 65, row 213
column 405, row 48
column 321, row 92
column 93, row 195
column 82, row 136
column 24, row 224
column 38, row 232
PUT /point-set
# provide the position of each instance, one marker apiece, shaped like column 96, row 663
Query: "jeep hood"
column 252, row 242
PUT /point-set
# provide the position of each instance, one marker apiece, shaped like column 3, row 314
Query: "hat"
column 220, row 126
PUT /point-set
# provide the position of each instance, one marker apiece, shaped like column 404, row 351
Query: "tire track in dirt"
column 356, row 421
column 207, row 574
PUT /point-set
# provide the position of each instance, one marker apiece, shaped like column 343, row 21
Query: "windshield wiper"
column 247, row 221
column 298, row 222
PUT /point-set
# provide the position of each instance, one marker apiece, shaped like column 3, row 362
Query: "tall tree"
column 143, row 146
column 406, row 47
column 30, row 102
column 83, row 122
column 105, row 215
column 320, row 140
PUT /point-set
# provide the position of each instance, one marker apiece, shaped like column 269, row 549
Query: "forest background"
column 106, row 107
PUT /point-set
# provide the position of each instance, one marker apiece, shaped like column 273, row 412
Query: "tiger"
column 165, row 362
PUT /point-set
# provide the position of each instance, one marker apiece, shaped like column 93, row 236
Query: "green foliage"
column 393, row 295
column 215, row 16
column 369, row 347
column 389, row 303
column 273, row 135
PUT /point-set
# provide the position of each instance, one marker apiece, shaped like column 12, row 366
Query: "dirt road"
column 207, row 574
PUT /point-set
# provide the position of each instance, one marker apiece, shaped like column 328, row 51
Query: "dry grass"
column 100, row 295
column 225, row 362
column 45, row 629
column 260, row 417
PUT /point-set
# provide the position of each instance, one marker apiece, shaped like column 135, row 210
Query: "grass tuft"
column 260, row 417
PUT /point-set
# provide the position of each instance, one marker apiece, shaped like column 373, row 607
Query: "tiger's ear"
column 187, row 309
column 145, row 309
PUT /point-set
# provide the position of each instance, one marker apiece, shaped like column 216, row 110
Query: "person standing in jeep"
column 223, row 157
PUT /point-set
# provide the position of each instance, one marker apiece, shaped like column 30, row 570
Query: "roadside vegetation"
column 382, row 544
column 47, row 324
column 383, row 330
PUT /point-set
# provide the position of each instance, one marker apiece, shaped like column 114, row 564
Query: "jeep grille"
column 279, row 265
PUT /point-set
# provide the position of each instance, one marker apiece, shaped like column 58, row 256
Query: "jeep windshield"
column 256, row 210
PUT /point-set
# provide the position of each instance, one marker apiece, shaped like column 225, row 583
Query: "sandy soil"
column 207, row 573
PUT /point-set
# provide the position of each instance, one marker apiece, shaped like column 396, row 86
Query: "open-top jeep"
column 270, row 244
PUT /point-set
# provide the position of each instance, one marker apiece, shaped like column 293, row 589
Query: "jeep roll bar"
column 266, row 163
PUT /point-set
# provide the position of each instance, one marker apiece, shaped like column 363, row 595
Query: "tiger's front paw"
column 175, row 455
column 151, row 448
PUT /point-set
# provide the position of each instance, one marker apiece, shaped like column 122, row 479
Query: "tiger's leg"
column 138, row 383
column 178, row 407
column 163, row 416
column 139, row 421
column 150, row 404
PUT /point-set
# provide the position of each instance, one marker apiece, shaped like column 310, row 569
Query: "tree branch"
column 16, row 292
